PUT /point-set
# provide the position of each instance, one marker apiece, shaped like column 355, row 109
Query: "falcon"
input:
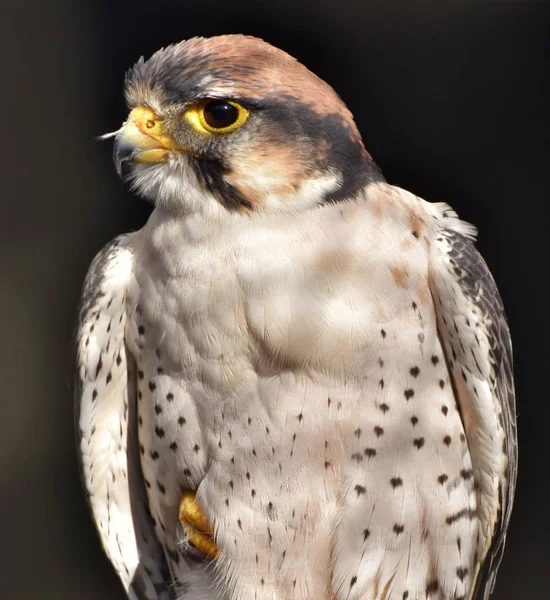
column 295, row 381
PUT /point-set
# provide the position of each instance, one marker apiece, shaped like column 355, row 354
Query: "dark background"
column 452, row 98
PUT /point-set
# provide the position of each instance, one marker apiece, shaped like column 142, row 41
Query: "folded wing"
column 106, row 428
column 474, row 334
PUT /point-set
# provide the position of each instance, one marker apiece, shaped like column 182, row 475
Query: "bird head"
column 233, row 122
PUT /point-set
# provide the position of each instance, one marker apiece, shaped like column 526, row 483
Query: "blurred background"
column 452, row 99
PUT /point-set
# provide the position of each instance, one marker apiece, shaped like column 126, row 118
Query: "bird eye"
column 216, row 116
column 219, row 114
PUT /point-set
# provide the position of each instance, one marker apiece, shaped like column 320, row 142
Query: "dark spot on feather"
column 465, row 513
column 466, row 474
column 360, row 489
column 397, row 529
column 99, row 365
column 432, row 587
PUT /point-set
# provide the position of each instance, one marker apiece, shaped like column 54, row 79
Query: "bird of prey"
column 295, row 381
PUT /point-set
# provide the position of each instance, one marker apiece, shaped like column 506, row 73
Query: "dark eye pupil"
column 219, row 114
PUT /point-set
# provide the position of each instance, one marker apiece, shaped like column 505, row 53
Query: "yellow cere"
column 194, row 115
column 143, row 120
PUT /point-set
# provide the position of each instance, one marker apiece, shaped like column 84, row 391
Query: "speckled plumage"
column 334, row 382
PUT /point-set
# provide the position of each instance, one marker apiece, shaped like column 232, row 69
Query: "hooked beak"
column 141, row 140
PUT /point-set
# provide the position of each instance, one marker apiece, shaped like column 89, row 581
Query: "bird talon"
column 195, row 525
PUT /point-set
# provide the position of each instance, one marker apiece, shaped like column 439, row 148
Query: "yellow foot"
column 195, row 525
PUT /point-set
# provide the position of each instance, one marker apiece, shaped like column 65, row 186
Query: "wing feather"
column 106, row 426
column 474, row 333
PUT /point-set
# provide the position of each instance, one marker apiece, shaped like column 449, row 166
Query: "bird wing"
column 106, row 428
column 474, row 334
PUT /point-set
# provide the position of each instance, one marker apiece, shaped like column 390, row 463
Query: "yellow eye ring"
column 215, row 117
